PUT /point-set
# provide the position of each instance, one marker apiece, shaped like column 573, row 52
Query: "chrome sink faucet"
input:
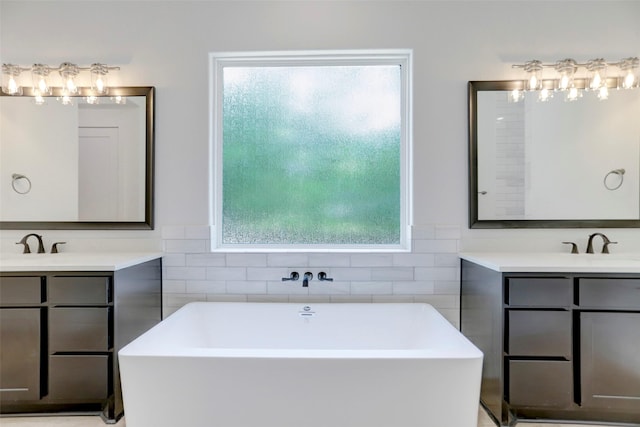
column 605, row 244
column 27, row 249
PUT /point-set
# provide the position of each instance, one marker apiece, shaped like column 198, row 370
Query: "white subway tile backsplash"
column 447, row 260
column 246, row 287
column 448, row 232
column 371, row 260
column 224, row 273
column 334, row 260
column 206, row 287
column 348, row 274
column 206, row 260
column 246, row 260
column 266, row 273
column 392, row 273
column 185, row 246
column 174, row 260
column 226, row 298
column 351, row 298
column 435, row 246
column 286, row 288
column 447, row 287
column 174, row 286
column 377, row 288
column 429, row 273
column 197, row 232
column 185, row 273
column 436, row 273
column 413, row 288
column 172, row 232
column 414, row 260
column 331, row 288
column 287, row 260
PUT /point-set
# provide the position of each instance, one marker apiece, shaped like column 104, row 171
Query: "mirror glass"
column 553, row 163
column 84, row 165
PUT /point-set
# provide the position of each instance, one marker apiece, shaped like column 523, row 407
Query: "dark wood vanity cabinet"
column 556, row 346
column 60, row 333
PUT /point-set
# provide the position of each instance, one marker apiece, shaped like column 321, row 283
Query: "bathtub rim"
column 463, row 348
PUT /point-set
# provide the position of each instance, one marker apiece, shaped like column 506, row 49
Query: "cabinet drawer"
column 539, row 333
column 79, row 378
column 610, row 293
column 536, row 291
column 78, row 329
column 540, row 383
column 21, row 290
column 70, row 290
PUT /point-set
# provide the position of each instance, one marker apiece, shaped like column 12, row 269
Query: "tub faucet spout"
column 305, row 281
column 27, row 249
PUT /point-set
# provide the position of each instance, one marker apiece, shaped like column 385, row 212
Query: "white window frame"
column 219, row 60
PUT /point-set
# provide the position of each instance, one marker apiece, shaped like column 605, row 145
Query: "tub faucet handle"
column 322, row 276
column 54, row 247
column 293, row 277
column 574, row 247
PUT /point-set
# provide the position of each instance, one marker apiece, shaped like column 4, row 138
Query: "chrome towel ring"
column 21, row 184
column 620, row 173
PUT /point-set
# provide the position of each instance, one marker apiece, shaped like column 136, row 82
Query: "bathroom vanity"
column 63, row 318
column 560, row 334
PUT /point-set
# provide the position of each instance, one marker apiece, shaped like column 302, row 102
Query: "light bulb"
column 68, row 72
column 99, row 78
column 92, row 99
column 564, row 82
column 71, row 85
column 597, row 74
column 596, row 81
column 629, row 80
column 629, row 67
column 534, row 73
column 39, row 74
column 13, row 86
column 10, row 84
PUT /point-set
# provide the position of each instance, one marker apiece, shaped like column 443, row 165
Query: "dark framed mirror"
column 557, row 163
column 79, row 163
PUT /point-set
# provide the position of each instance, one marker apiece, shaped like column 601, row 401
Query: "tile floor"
column 91, row 421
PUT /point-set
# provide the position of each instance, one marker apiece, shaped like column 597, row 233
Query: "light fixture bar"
column 67, row 71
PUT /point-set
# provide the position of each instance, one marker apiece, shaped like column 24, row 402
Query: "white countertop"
column 510, row 262
column 92, row 261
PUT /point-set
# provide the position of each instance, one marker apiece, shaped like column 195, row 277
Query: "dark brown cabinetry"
column 60, row 333
column 556, row 346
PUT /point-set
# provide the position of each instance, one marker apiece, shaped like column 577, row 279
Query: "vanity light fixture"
column 68, row 86
column 595, row 78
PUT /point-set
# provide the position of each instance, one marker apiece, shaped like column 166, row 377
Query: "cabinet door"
column 19, row 354
column 610, row 370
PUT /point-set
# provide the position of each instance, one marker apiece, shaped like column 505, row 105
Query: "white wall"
column 166, row 44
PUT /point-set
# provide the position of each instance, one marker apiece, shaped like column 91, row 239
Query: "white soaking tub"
column 297, row 365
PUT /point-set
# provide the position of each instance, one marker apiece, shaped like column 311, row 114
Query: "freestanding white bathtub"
column 296, row 365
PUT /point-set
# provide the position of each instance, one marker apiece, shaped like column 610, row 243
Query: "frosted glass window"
column 311, row 155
